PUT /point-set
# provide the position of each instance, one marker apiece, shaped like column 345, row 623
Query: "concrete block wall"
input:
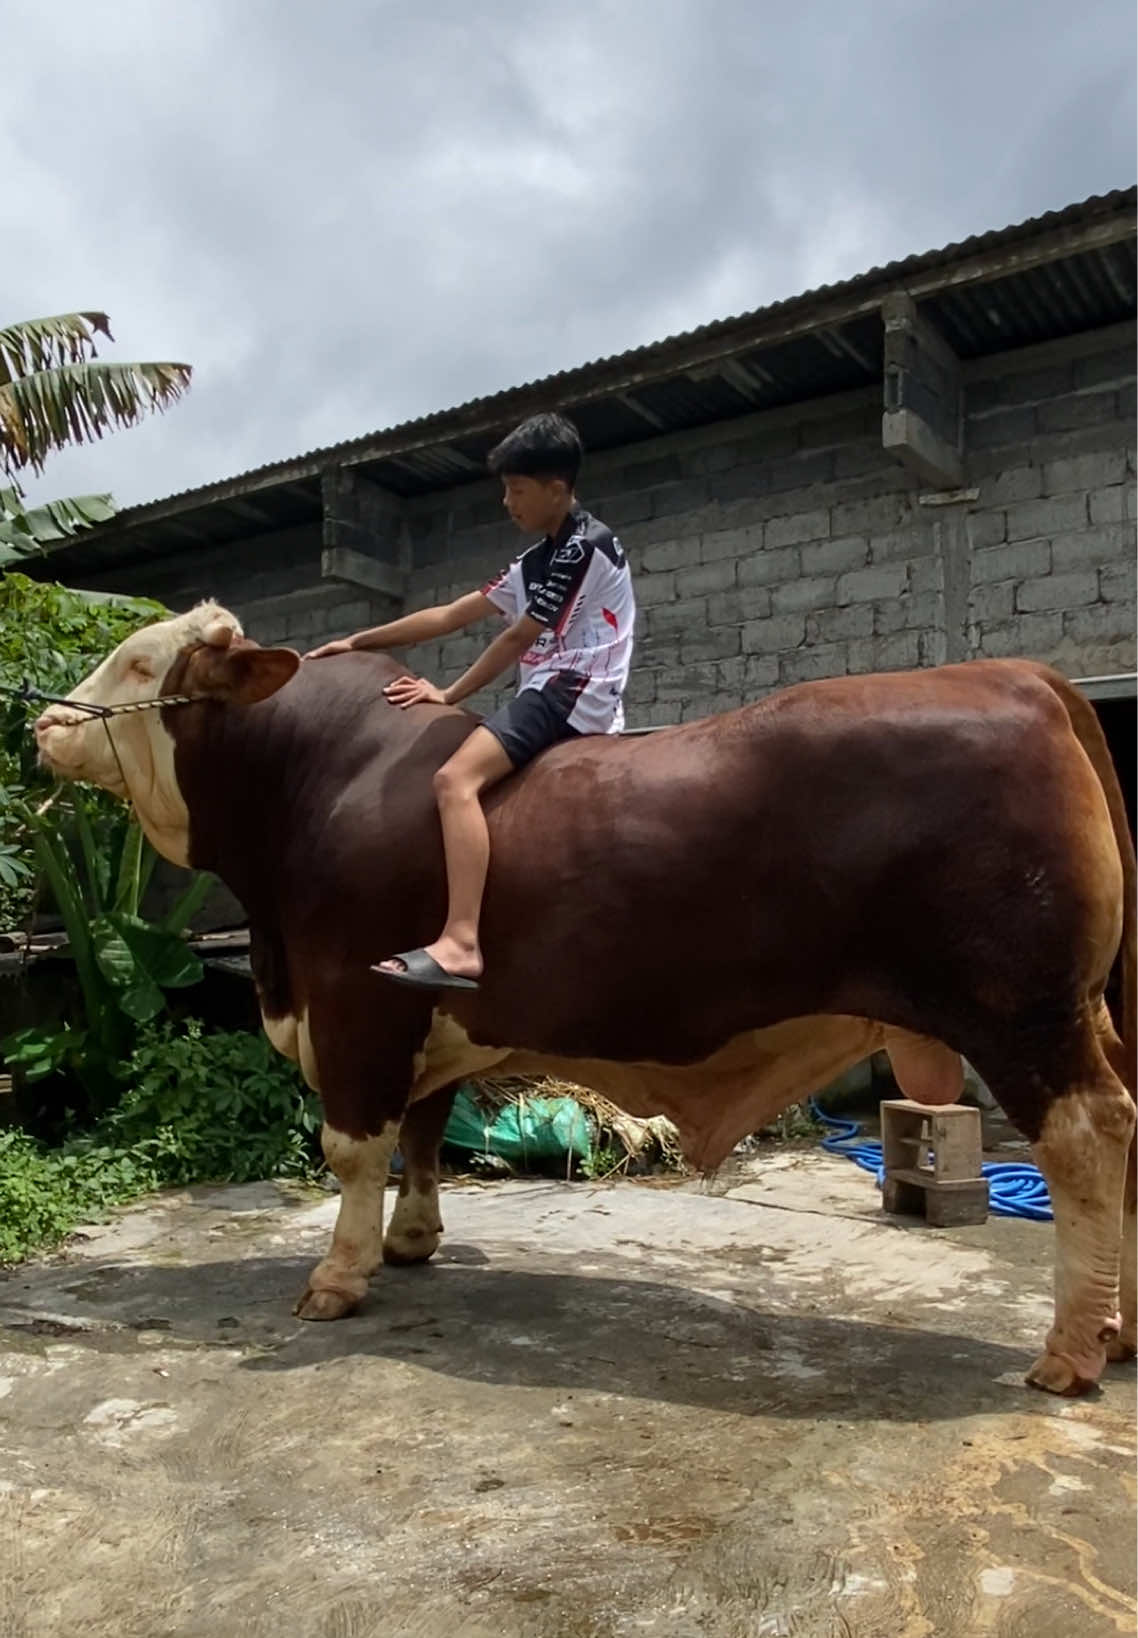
column 789, row 546
column 780, row 547
column 1051, row 540
column 764, row 551
column 272, row 582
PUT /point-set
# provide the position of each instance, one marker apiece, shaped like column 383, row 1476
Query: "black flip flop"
column 422, row 972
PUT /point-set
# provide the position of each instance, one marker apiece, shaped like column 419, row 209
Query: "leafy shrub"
column 123, row 964
column 219, row 1108
column 198, row 1109
column 44, row 1193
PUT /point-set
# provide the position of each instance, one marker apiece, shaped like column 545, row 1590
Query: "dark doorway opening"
column 1119, row 718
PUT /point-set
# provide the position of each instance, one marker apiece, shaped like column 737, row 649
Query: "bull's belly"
column 714, row 1103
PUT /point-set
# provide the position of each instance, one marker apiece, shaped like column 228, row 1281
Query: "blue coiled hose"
column 1014, row 1189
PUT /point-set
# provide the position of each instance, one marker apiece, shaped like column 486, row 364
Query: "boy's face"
column 536, row 505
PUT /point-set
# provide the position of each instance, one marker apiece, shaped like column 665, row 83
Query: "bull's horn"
column 219, row 634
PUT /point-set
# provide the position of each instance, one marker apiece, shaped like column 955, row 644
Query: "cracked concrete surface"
column 603, row 1411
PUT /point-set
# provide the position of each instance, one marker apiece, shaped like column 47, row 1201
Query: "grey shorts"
column 530, row 723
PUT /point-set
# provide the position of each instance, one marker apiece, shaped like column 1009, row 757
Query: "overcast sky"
column 347, row 214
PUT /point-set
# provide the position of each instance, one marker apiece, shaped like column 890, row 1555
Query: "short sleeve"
column 551, row 599
column 500, row 591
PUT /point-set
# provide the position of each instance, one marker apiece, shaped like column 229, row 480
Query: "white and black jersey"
column 578, row 586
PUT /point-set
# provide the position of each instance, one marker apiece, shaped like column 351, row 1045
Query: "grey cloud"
column 348, row 215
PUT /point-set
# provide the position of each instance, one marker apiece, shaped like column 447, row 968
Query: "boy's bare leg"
column 480, row 763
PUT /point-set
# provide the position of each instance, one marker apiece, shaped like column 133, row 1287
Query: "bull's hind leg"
column 1082, row 1150
column 1125, row 1345
column 416, row 1223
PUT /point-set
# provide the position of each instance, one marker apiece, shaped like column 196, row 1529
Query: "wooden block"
column 957, row 1205
column 901, row 1126
column 956, row 1144
column 902, row 1199
column 952, row 1189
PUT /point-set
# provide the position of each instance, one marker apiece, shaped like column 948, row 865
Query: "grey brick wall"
column 271, row 582
column 1050, row 439
column 787, row 545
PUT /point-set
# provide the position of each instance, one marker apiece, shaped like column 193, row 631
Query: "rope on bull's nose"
column 1015, row 1188
column 27, row 695
column 115, row 754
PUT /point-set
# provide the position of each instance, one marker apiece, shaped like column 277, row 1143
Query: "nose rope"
column 27, row 695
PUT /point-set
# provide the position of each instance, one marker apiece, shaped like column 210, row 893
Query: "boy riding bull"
column 570, row 609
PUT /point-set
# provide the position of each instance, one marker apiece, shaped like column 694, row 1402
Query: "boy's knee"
column 452, row 785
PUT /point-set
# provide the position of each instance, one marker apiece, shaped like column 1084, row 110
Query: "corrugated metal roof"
column 1057, row 274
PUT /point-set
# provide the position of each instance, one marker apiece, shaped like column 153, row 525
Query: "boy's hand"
column 342, row 645
column 405, row 691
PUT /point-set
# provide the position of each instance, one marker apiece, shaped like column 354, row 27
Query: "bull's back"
column 852, row 845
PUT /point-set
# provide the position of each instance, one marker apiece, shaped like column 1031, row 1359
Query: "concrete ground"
column 604, row 1411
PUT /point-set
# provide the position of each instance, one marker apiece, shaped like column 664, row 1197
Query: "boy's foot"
column 420, row 971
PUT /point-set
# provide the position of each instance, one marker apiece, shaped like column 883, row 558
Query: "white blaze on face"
column 76, row 746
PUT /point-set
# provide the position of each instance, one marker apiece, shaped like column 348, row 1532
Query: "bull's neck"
column 242, row 775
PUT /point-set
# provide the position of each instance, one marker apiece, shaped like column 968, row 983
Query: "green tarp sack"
column 533, row 1131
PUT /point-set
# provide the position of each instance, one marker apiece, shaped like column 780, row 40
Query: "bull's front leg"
column 416, row 1222
column 357, row 1049
column 338, row 1283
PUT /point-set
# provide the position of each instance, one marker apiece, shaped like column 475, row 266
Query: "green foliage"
column 198, row 1108
column 603, row 1162
column 44, row 1193
column 15, row 870
column 26, row 529
column 222, row 1107
column 123, row 963
column 53, row 395
column 53, row 637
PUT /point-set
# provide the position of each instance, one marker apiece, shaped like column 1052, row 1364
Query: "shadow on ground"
column 636, row 1337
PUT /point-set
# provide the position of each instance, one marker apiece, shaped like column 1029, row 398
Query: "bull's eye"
column 141, row 668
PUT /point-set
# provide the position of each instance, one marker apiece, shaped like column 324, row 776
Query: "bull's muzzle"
column 54, row 730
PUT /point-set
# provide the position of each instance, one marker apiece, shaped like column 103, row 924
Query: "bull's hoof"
column 414, row 1246
column 1122, row 1347
column 1059, row 1373
column 324, row 1304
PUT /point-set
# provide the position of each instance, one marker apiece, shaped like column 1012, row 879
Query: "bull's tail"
column 1088, row 731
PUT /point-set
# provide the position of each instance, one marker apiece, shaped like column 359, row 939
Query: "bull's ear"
column 242, row 673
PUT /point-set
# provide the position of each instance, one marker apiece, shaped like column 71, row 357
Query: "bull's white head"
column 203, row 654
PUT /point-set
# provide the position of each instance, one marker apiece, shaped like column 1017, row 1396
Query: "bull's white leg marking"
column 1126, row 1345
column 448, row 1055
column 1082, row 1153
column 416, row 1223
column 306, row 1056
column 283, row 1034
column 338, row 1283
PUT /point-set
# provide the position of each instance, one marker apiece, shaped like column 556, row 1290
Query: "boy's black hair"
column 545, row 446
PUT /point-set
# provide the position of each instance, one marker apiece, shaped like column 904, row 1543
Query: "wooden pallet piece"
column 951, row 1190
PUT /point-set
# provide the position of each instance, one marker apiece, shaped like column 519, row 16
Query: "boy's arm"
column 505, row 651
column 421, row 627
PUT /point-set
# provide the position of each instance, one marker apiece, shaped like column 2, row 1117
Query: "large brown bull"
column 709, row 922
